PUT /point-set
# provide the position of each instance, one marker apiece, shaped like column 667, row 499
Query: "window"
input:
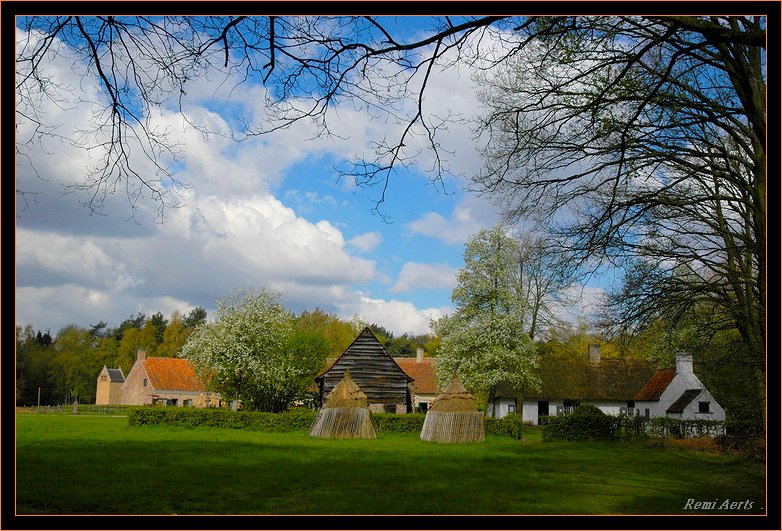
column 703, row 407
column 171, row 402
column 646, row 413
column 570, row 405
column 511, row 408
column 187, row 403
column 145, row 382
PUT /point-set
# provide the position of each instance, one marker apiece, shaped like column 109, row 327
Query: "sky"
column 269, row 211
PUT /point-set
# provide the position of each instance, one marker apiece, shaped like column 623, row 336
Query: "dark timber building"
column 374, row 371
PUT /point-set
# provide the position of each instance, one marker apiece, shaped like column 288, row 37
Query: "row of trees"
column 65, row 367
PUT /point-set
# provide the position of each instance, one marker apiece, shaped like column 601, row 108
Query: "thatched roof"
column 454, row 398
column 578, row 378
column 346, row 394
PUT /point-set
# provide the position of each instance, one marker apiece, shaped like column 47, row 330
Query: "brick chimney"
column 594, row 353
column 419, row 355
column 141, row 355
column 683, row 363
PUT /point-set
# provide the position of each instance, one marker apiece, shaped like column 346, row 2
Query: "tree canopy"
column 251, row 352
column 484, row 342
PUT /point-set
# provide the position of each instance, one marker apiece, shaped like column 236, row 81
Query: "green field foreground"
column 100, row 465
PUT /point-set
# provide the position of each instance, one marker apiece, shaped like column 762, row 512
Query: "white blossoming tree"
column 250, row 351
column 484, row 342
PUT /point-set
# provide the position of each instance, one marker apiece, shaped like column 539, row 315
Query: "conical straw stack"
column 345, row 415
column 453, row 417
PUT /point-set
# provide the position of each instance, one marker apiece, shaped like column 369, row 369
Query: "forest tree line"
column 64, row 366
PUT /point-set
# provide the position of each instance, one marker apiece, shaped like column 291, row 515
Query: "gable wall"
column 103, row 389
column 374, row 371
column 133, row 390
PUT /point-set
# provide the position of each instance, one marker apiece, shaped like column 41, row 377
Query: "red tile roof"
column 659, row 382
column 173, row 374
column 423, row 373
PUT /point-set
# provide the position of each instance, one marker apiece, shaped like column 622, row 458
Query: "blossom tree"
column 484, row 341
column 248, row 352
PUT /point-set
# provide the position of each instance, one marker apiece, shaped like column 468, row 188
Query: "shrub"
column 509, row 426
column 586, row 422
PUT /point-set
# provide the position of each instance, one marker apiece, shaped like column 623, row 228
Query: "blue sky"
column 267, row 211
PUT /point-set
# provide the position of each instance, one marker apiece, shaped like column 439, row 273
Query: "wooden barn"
column 374, row 371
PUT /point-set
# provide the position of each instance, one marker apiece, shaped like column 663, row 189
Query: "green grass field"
column 100, row 465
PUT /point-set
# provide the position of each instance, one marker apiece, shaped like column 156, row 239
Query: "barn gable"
column 374, row 371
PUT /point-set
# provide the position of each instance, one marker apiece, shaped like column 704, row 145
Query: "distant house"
column 678, row 393
column 567, row 382
column 168, row 382
column 375, row 372
column 424, row 385
column 109, row 388
column 615, row 386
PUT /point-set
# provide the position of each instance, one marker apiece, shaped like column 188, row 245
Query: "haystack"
column 453, row 417
column 345, row 415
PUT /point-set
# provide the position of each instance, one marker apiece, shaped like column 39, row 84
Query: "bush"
column 752, row 447
column 509, row 426
column 585, row 423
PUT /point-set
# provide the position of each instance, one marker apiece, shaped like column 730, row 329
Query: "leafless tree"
column 641, row 139
column 648, row 133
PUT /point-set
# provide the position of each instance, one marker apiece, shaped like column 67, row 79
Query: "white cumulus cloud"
column 419, row 276
column 366, row 242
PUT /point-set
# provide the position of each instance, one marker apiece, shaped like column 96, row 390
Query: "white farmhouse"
column 678, row 393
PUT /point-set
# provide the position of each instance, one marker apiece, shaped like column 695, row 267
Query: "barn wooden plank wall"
column 373, row 370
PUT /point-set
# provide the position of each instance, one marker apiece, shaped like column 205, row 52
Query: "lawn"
column 100, row 465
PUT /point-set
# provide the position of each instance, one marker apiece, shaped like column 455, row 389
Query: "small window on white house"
column 187, row 403
column 646, row 412
column 703, row 407
column 511, row 408
column 145, row 382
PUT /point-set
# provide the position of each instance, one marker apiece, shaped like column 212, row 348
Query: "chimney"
column 594, row 353
column 683, row 363
column 419, row 355
column 141, row 355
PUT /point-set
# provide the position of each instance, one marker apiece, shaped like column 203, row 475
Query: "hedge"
column 292, row 420
column 586, row 422
column 398, row 422
column 508, row 426
column 299, row 419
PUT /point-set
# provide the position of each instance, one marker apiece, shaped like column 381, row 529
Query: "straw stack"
column 345, row 415
column 453, row 417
